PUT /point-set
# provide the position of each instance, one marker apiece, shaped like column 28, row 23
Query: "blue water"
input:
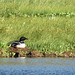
column 37, row 66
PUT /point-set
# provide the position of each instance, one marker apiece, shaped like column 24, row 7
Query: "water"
column 37, row 66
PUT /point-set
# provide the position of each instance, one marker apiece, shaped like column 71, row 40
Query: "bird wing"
column 14, row 42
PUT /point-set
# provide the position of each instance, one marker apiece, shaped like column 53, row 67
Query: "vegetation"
column 37, row 8
column 49, row 24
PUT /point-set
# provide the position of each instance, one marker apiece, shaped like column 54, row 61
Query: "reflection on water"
column 37, row 66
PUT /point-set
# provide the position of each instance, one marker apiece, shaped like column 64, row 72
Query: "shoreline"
column 26, row 52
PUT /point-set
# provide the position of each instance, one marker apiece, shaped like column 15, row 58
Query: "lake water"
column 37, row 66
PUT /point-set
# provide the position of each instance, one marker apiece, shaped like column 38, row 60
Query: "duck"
column 19, row 44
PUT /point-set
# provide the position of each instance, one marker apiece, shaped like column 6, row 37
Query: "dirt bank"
column 26, row 52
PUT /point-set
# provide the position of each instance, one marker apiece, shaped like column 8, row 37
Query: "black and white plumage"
column 20, row 43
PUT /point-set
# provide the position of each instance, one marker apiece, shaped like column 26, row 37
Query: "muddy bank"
column 26, row 52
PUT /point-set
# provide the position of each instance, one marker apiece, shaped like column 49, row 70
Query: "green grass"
column 49, row 24
column 44, row 33
column 37, row 7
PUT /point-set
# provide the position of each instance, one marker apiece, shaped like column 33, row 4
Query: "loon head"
column 23, row 38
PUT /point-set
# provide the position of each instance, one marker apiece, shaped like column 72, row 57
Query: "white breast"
column 21, row 45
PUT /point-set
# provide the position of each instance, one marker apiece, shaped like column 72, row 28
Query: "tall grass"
column 37, row 7
column 44, row 33
column 49, row 24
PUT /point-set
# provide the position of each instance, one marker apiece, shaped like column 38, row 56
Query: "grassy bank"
column 49, row 25
column 44, row 33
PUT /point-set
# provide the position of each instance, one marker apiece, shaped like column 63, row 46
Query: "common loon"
column 19, row 44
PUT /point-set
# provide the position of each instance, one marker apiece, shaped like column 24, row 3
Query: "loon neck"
column 22, row 41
